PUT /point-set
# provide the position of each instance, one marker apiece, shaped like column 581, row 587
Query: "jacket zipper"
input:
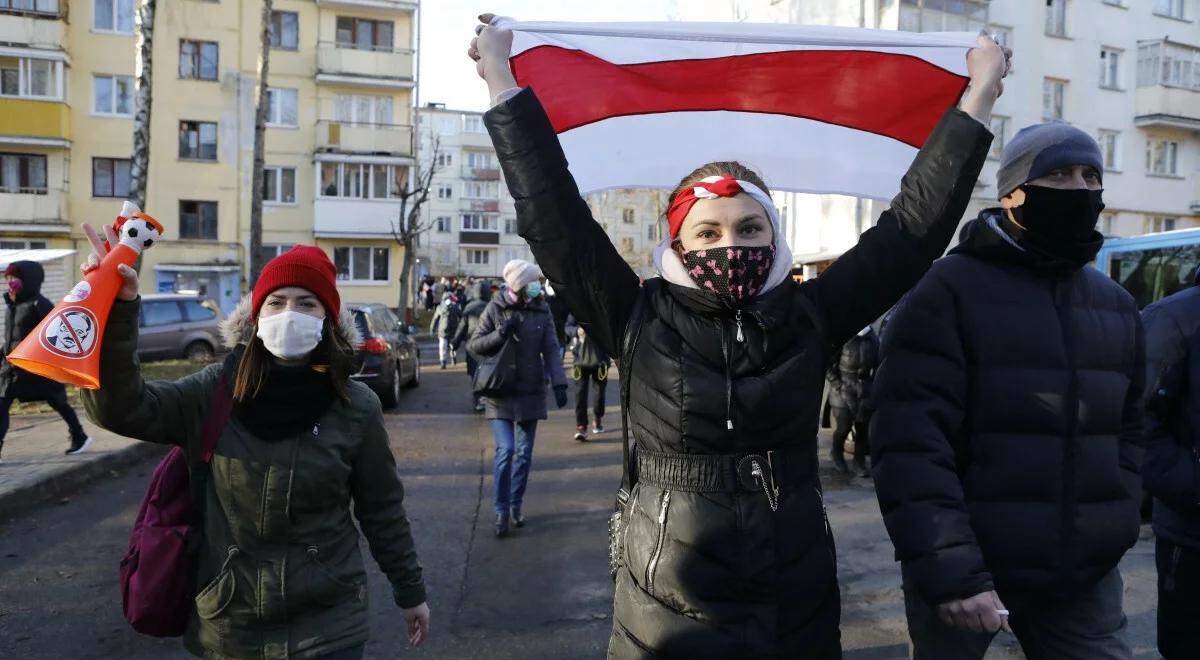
column 728, row 378
column 652, row 567
column 740, row 336
column 1061, row 293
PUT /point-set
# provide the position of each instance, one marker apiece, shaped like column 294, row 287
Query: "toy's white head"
column 139, row 233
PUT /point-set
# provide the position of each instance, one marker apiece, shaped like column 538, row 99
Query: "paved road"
column 543, row 593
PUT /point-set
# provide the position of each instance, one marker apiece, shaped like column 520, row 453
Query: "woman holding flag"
column 726, row 551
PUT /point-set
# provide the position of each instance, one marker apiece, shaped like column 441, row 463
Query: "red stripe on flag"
column 894, row 95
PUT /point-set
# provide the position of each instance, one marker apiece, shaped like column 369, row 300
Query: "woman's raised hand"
column 129, row 285
column 490, row 50
column 987, row 65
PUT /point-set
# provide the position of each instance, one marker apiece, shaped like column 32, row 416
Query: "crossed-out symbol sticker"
column 71, row 333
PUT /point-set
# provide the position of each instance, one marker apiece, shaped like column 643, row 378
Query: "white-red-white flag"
column 814, row 109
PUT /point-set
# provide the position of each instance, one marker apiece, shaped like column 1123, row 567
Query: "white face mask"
column 290, row 335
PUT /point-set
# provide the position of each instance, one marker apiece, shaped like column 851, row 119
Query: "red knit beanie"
column 305, row 266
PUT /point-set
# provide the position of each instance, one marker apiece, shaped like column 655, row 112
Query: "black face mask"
column 1059, row 223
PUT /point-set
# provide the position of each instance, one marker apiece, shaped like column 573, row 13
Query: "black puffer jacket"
column 1006, row 432
column 718, row 574
column 24, row 314
column 1172, row 466
column 853, row 374
column 479, row 295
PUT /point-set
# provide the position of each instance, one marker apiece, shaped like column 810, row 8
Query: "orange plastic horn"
column 65, row 346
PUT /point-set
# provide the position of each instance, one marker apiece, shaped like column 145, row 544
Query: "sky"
column 447, row 26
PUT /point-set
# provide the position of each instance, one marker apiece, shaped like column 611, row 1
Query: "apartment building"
column 471, row 218
column 634, row 220
column 338, row 145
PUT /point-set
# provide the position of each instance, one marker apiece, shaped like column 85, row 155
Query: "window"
column 940, row 16
column 628, row 215
column 361, row 264
column 113, row 95
column 364, row 34
column 444, row 159
column 1056, row 18
column 1162, row 157
column 194, row 310
column 447, row 126
column 197, row 60
column 481, row 190
column 198, row 220
column 473, row 124
column 363, row 109
column 652, row 231
column 1110, row 146
column 510, row 225
column 478, row 257
column 112, row 16
column 478, row 222
column 279, row 185
column 281, row 107
column 285, row 30
column 111, row 177
column 31, row 78
column 1110, row 68
column 362, row 180
column 163, row 312
column 1155, row 224
column 445, row 192
column 481, row 160
column 198, row 140
column 1166, row 63
column 999, row 129
column 442, row 224
column 1003, row 35
column 1171, row 8
column 22, row 245
column 31, row 6
column 1052, row 98
column 23, row 173
column 1107, row 222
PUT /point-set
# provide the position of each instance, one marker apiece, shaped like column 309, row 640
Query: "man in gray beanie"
column 1007, row 432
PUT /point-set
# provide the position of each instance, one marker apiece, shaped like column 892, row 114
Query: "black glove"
column 560, row 395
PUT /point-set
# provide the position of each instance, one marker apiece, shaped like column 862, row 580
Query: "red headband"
column 727, row 186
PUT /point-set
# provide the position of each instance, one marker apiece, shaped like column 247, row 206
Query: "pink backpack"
column 158, row 573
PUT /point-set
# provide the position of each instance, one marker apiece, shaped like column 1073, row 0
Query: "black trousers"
column 1178, row 606
column 586, row 376
column 843, row 422
column 57, row 401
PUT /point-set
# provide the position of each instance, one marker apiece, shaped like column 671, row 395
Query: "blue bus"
column 1153, row 266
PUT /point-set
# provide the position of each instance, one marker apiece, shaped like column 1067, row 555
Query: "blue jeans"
column 514, row 454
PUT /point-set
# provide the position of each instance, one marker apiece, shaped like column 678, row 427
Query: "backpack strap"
column 633, row 332
column 220, row 405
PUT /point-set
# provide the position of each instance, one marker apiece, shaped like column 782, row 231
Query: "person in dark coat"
column 725, row 550
column 443, row 326
column 591, row 368
column 519, row 314
column 1007, row 428
column 480, row 295
column 26, row 309
column 1171, row 469
column 851, row 379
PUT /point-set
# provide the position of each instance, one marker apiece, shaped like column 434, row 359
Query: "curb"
column 71, row 479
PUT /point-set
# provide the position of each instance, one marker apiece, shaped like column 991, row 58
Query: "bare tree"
column 143, row 29
column 260, row 137
column 409, row 225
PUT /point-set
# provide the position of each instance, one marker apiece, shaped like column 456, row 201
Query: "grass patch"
column 163, row 370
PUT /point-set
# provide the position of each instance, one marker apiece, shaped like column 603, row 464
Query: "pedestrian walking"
column 519, row 314
column 480, row 295
column 850, row 378
column 1171, row 469
column 1007, row 427
column 304, row 451
column 443, row 326
column 26, row 309
column 724, row 550
column 590, row 368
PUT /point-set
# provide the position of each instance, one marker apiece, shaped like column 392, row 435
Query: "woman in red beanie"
column 280, row 571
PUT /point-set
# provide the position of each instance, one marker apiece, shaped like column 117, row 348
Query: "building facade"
column 471, row 219
column 634, row 220
column 339, row 143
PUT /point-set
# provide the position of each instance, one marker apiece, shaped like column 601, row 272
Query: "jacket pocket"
column 328, row 588
column 215, row 598
column 664, row 505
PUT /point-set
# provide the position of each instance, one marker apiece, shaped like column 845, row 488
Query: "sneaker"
column 597, row 428
column 839, row 462
column 518, row 520
column 581, row 433
column 79, row 445
column 443, row 366
column 480, row 408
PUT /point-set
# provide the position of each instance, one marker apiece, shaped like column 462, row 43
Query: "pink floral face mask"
column 737, row 274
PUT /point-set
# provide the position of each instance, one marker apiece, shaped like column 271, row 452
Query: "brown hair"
column 718, row 168
column 332, row 356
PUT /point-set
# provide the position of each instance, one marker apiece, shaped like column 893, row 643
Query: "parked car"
column 178, row 325
column 388, row 359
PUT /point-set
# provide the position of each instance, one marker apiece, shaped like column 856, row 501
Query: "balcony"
column 38, row 212
column 391, row 139
column 355, row 218
column 372, row 68
column 481, row 205
column 26, row 121
column 39, row 29
column 480, row 173
column 388, row 5
column 466, row 237
column 1161, row 106
column 1195, row 205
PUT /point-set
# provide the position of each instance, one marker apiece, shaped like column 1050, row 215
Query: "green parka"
column 280, row 572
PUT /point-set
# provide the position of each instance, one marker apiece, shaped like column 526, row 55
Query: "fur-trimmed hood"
column 237, row 328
